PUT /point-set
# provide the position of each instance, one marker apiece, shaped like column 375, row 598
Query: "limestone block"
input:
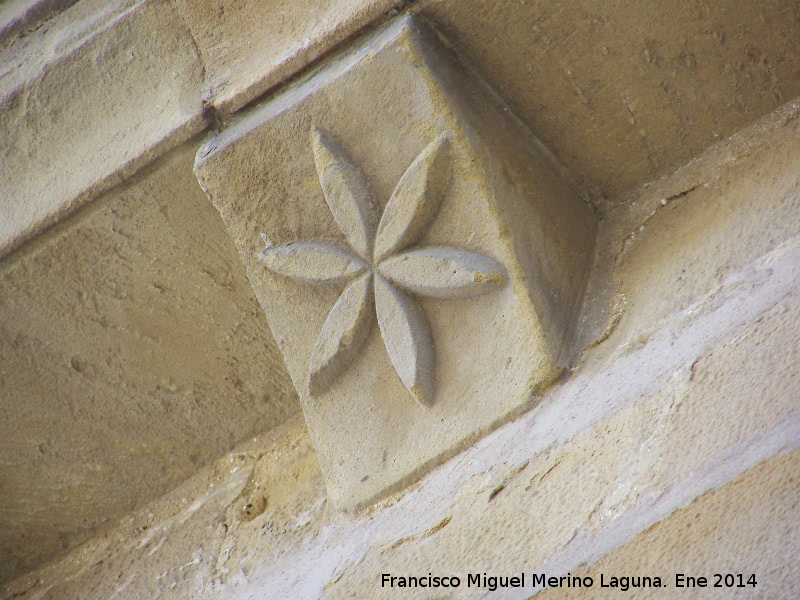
column 626, row 95
column 418, row 245
column 87, row 100
column 132, row 351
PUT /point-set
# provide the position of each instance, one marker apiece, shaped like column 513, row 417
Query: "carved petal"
column 315, row 262
column 407, row 338
column 415, row 200
column 346, row 193
column 344, row 333
column 441, row 272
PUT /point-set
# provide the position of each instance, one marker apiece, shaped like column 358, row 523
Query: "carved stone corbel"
column 391, row 186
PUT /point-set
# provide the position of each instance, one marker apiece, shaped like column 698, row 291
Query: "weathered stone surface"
column 87, row 99
column 688, row 375
column 179, row 546
column 397, row 129
column 530, row 497
column 711, row 393
column 620, row 93
column 550, row 503
column 19, row 17
column 623, row 93
column 132, row 351
column 612, row 90
column 157, row 552
column 749, row 527
column 250, row 47
column 675, row 240
column 726, row 364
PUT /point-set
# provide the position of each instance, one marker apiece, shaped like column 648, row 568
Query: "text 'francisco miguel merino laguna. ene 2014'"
column 493, row 582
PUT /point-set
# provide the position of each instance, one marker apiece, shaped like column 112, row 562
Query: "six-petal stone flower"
column 383, row 273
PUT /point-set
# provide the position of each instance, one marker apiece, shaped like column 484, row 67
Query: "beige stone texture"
column 652, row 99
column 18, row 17
column 624, row 92
column 86, row 99
column 527, row 498
column 749, row 527
column 678, row 238
column 621, row 94
column 176, row 547
column 506, row 202
column 665, row 453
column 570, row 504
column 250, row 47
column 132, row 352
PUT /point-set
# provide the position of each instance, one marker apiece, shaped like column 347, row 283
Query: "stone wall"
column 152, row 440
